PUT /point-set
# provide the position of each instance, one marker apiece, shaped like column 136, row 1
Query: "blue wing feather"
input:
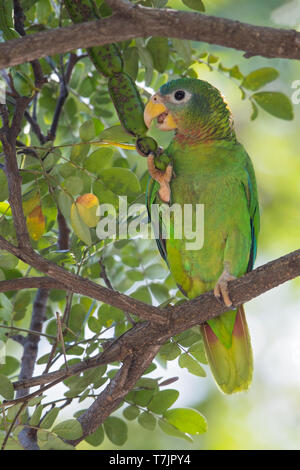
column 251, row 194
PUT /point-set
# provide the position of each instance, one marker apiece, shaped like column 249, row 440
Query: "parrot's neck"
column 213, row 126
column 205, row 132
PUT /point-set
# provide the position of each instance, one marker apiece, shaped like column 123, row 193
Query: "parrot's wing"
column 153, row 198
column 252, row 198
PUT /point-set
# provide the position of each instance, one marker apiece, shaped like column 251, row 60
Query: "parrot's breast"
column 214, row 179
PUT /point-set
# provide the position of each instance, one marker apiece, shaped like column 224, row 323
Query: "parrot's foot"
column 162, row 177
column 221, row 287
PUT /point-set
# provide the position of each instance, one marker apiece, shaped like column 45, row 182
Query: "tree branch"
column 31, row 344
column 242, row 290
column 133, row 21
column 116, row 391
column 182, row 317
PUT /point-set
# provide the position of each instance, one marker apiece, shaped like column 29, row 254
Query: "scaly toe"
column 221, row 288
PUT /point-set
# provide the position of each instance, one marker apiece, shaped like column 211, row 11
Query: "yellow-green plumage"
column 213, row 169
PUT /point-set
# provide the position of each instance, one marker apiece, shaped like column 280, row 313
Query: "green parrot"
column 208, row 166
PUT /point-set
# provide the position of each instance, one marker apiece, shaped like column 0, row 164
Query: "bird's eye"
column 179, row 95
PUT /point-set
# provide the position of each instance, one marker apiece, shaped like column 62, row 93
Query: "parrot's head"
column 193, row 108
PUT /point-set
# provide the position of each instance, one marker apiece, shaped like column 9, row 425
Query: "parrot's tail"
column 231, row 367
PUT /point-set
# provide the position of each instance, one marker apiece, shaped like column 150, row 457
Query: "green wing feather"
column 232, row 366
column 152, row 198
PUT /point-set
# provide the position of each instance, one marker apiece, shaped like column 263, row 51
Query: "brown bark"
column 131, row 21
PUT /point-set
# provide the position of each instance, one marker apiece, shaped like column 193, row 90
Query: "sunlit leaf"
column 194, row 4
column 88, row 205
column 275, row 103
column 79, row 226
column 36, row 223
column 6, row 387
column 186, row 420
column 260, row 77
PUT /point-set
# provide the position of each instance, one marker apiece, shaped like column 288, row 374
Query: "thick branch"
column 80, row 285
column 116, row 391
column 136, row 21
column 192, row 312
column 242, row 290
column 31, row 344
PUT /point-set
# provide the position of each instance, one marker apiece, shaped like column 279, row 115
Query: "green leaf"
column 116, row 430
column 236, row 73
column 192, row 366
column 87, row 130
column 131, row 261
column 6, row 388
column 3, row 186
column 94, row 325
column 186, row 420
column 26, row 4
column 147, row 420
column 22, row 299
column 260, row 77
column 188, row 337
column 99, row 159
column 36, row 416
column 162, row 400
column 7, row 260
column 10, row 366
column 275, row 103
column 55, row 443
column 172, row 431
column 183, row 48
column 194, row 4
column 160, row 292
column 115, row 134
column 131, row 62
column 49, row 419
column 254, row 111
column 69, row 429
column 80, row 228
column 76, row 317
column 198, row 351
column 140, row 397
column 159, row 49
column 96, row 438
column 135, row 275
column 64, row 204
column 105, row 195
column 74, row 185
column 131, row 412
column 169, row 351
column 12, row 444
column 147, row 61
column 143, row 294
column 146, row 382
column 120, row 181
column 155, row 271
column 212, row 59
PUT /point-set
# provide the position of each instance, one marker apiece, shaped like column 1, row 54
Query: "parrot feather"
column 212, row 168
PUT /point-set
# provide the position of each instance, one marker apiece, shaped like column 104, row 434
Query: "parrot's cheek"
column 166, row 122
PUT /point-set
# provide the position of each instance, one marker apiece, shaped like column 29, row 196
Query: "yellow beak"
column 155, row 108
